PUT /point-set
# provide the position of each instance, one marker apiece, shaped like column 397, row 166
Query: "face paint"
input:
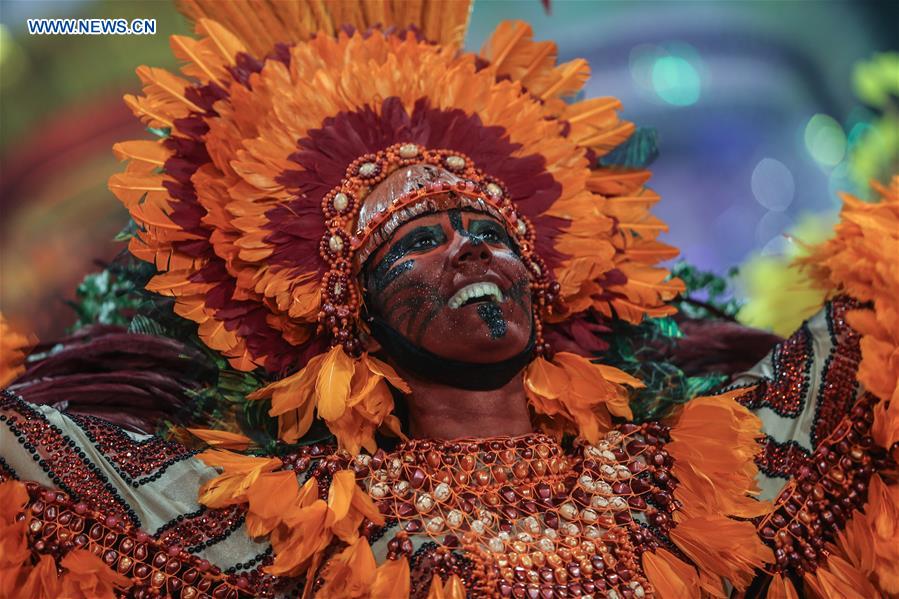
column 493, row 317
column 438, row 257
column 379, row 280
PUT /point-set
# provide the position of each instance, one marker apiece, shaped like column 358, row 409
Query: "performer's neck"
column 438, row 411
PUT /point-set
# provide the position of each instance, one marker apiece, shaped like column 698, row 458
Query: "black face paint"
column 419, row 238
column 418, row 298
column 481, row 231
column 518, row 291
column 492, row 315
column 378, row 281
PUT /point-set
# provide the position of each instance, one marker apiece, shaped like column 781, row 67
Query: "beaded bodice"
column 520, row 516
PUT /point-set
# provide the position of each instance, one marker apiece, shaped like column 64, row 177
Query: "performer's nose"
column 470, row 252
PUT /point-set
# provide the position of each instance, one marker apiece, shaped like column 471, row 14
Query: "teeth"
column 475, row 290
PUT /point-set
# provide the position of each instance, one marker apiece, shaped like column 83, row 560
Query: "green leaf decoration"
column 639, row 151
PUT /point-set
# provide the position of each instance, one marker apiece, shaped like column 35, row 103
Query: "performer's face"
column 453, row 284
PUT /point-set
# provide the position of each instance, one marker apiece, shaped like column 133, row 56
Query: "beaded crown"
column 287, row 115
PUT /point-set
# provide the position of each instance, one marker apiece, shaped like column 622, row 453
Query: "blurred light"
column 771, row 226
column 857, row 132
column 640, row 61
column 779, row 246
column 825, row 140
column 12, row 59
column 676, row 81
column 840, row 181
column 773, row 185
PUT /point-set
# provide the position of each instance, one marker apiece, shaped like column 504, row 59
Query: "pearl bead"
column 602, row 487
column 568, row 511
column 599, row 502
column 455, row 163
column 340, row 201
column 368, row 169
column 454, row 518
column 622, row 472
column 408, row 151
column 435, row 524
column 378, row 490
column 521, row 228
column 618, row 503
column 424, row 503
column 335, row 243
column 442, row 492
column 494, row 190
column 401, row 488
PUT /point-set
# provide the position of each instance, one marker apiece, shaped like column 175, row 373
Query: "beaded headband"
column 346, row 254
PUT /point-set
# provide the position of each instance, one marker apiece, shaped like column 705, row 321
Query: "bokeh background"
column 762, row 111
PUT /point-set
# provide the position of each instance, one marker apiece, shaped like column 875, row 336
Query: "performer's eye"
column 421, row 239
column 423, row 242
column 490, row 232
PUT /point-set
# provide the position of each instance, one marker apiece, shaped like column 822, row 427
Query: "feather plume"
column 333, row 383
column 166, row 92
column 88, row 576
column 350, row 573
column 670, row 577
column 392, row 579
column 203, row 63
column 715, row 484
column 15, row 347
column 226, row 43
column 581, row 394
column 221, row 439
column 260, row 25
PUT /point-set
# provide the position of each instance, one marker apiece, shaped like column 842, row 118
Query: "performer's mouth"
column 476, row 293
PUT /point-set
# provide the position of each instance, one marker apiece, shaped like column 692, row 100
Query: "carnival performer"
column 418, row 251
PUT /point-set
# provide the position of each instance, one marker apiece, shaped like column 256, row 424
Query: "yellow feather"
column 190, row 50
column 227, row 44
column 167, row 90
column 332, row 387
column 150, row 152
column 392, row 579
column 147, row 112
column 259, row 25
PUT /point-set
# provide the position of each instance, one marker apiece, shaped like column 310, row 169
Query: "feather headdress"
column 284, row 117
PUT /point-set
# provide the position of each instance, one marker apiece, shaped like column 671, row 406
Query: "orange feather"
column 670, row 577
column 332, row 387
